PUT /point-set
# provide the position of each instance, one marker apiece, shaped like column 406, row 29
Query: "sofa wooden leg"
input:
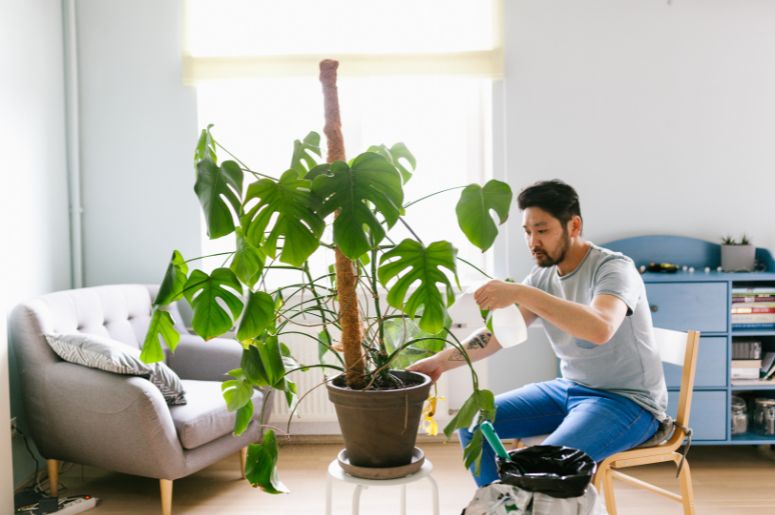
column 243, row 456
column 166, row 496
column 53, row 477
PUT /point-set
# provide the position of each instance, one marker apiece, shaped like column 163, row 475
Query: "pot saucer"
column 418, row 458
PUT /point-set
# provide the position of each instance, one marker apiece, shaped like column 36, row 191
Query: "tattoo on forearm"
column 477, row 341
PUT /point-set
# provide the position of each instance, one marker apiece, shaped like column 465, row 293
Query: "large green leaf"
column 248, row 261
column 290, row 391
column 263, row 364
column 205, row 147
column 253, row 368
column 421, row 268
column 324, row 344
column 399, row 331
column 161, row 325
column 257, row 317
column 371, row 185
column 396, row 155
column 171, row 288
column 473, row 211
column 284, row 208
column 480, row 402
column 236, row 393
column 271, row 356
column 472, row 454
column 203, row 292
column 217, row 189
column 261, row 466
column 304, row 152
column 244, row 416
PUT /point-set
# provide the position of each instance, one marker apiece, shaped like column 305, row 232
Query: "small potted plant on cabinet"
column 737, row 256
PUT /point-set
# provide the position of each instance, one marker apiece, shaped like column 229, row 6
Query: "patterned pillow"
column 113, row 356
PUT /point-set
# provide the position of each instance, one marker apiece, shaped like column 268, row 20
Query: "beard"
column 545, row 260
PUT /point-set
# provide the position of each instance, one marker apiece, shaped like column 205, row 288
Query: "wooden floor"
column 727, row 481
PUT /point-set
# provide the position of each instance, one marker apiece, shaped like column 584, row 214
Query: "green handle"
column 492, row 438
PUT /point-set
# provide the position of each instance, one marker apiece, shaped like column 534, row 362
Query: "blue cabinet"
column 684, row 306
column 712, row 365
column 708, row 419
column 700, row 299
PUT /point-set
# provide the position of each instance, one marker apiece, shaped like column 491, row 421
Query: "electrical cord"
column 32, row 455
column 38, row 486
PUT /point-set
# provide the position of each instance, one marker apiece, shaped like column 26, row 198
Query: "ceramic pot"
column 380, row 426
column 738, row 258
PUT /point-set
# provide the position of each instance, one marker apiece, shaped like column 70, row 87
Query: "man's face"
column 546, row 237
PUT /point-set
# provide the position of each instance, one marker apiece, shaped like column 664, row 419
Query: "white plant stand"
column 335, row 472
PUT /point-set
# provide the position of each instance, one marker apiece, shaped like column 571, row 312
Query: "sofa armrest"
column 111, row 421
column 205, row 361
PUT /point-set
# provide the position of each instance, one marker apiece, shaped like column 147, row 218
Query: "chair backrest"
column 680, row 348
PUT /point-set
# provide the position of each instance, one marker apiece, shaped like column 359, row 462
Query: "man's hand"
column 496, row 294
column 429, row 366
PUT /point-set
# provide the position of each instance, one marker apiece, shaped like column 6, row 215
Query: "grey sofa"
column 116, row 422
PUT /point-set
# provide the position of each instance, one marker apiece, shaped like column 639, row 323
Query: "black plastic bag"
column 550, row 469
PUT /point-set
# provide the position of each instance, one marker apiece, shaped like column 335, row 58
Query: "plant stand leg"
column 357, row 499
column 435, row 494
column 403, row 499
column 329, row 488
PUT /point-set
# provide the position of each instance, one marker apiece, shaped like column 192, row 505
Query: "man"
column 592, row 302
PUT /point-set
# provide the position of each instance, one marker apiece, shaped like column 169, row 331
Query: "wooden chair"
column 681, row 349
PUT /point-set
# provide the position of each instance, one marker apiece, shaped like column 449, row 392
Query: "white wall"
column 661, row 114
column 138, row 131
column 33, row 199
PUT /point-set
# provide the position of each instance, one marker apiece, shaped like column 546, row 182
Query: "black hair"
column 555, row 197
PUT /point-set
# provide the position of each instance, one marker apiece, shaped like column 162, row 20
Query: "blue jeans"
column 599, row 423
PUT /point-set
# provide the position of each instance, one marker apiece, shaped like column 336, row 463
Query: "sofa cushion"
column 206, row 417
column 113, row 356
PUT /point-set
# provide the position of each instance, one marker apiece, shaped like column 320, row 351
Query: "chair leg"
column 53, row 477
column 608, row 489
column 243, row 456
column 597, row 479
column 687, row 490
column 166, row 496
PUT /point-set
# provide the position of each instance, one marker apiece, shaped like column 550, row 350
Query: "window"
column 254, row 65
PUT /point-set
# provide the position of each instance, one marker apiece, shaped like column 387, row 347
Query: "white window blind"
column 252, row 38
column 255, row 67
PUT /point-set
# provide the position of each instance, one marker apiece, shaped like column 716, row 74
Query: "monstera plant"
column 382, row 306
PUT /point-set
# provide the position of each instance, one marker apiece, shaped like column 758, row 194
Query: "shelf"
column 752, row 439
column 752, row 332
column 703, row 301
column 752, row 384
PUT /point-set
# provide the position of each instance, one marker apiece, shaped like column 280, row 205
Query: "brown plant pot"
column 380, row 426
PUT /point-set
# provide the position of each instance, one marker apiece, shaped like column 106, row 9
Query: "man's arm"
column 478, row 346
column 595, row 323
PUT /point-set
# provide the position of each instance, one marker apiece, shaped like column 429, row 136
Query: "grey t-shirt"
column 629, row 363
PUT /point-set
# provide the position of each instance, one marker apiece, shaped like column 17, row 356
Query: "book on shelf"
column 745, row 369
column 752, row 327
column 754, row 310
column 768, row 376
column 768, row 365
column 753, row 290
column 754, row 318
column 746, row 349
column 753, row 295
column 750, row 298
